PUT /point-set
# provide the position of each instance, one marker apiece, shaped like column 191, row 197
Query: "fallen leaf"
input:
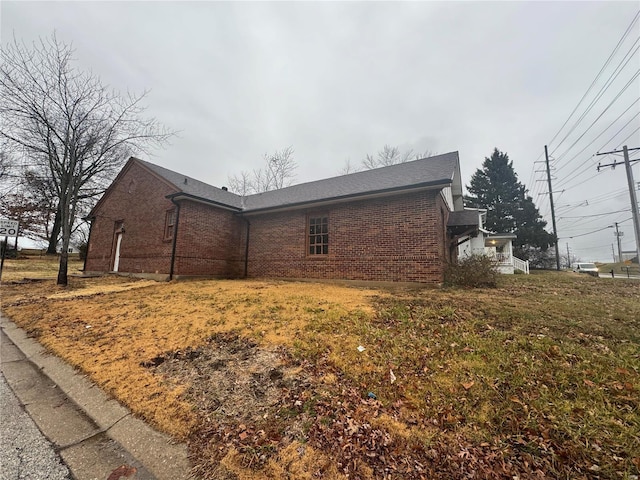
column 622, row 371
column 122, row 471
column 392, row 376
column 589, row 383
column 468, row 385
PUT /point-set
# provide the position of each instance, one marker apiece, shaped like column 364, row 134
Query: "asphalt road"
column 622, row 276
column 24, row 452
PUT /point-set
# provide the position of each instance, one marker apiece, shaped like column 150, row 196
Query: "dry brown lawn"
column 109, row 327
column 36, row 268
column 264, row 379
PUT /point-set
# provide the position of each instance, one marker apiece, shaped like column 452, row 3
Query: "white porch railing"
column 522, row 265
column 505, row 259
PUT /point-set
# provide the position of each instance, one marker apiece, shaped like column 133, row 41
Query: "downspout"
column 246, row 249
column 175, row 239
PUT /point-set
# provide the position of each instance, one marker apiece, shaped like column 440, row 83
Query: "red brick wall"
column 390, row 239
column 209, row 242
column 137, row 198
column 208, row 237
column 399, row 238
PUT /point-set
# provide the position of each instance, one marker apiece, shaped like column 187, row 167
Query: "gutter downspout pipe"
column 175, row 239
column 246, row 249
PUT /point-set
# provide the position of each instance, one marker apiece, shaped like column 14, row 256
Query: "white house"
column 473, row 239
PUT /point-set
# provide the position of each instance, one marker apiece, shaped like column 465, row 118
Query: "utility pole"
column 553, row 212
column 568, row 258
column 634, row 200
column 632, row 192
column 618, row 235
column 613, row 252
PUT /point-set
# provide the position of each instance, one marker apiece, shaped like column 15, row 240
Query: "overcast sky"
column 338, row 80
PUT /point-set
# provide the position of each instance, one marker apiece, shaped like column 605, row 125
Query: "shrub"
column 475, row 271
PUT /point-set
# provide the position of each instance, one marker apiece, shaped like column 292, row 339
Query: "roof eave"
column 194, row 198
column 502, row 235
column 351, row 197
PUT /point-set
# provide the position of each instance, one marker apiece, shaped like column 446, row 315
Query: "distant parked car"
column 589, row 268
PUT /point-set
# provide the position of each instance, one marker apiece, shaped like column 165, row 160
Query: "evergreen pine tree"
column 495, row 187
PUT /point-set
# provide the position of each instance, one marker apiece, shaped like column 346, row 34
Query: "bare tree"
column 242, row 184
column 347, row 168
column 389, row 155
column 70, row 126
column 278, row 172
column 9, row 178
column 33, row 203
column 6, row 165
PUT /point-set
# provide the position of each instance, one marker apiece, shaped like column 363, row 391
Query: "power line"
column 611, row 79
column 606, row 64
column 588, row 233
column 635, row 75
column 618, row 133
column 581, row 224
column 616, row 72
column 592, row 248
column 596, row 138
column 632, row 134
column 600, row 214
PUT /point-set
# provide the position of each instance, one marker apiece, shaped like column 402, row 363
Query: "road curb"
column 157, row 454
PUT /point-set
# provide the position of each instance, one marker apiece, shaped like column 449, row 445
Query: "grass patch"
column 40, row 267
column 537, row 377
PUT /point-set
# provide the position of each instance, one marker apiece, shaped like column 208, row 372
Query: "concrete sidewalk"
column 24, row 451
column 93, row 433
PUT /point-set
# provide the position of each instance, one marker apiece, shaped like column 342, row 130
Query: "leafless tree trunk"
column 6, row 165
column 71, row 127
column 54, row 234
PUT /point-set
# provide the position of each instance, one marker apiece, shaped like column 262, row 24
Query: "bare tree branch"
column 278, row 172
column 75, row 130
column 389, row 155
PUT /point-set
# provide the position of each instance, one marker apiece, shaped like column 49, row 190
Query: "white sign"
column 8, row 228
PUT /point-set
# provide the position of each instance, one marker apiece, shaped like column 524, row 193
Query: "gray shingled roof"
column 433, row 171
column 195, row 188
column 438, row 170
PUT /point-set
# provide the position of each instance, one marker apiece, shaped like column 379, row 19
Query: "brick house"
column 387, row 224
